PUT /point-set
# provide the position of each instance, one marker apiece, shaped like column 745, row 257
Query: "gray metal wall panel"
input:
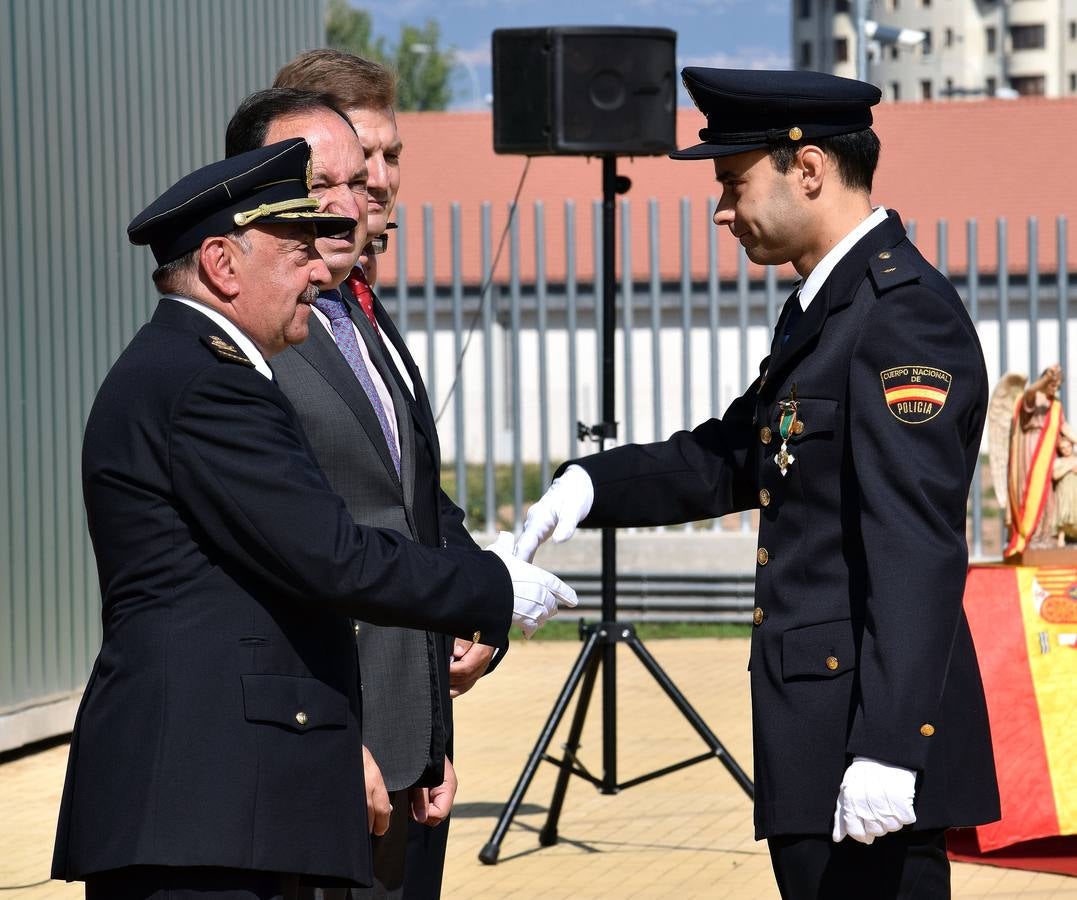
column 103, row 104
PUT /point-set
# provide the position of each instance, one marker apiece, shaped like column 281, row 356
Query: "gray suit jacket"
column 398, row 680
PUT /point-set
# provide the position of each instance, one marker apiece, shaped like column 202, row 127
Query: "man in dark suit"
column 372, row 431
column 214, row 751
column 407, row 726
column 858, row 443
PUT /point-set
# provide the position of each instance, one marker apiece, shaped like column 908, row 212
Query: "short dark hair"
column 174, row 276
column 352, row 81
column 249, row 125
column 857, row 155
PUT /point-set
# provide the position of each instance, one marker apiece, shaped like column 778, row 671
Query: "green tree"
column 422, row 67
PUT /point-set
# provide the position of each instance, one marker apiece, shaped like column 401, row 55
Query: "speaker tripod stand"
column 600, row 639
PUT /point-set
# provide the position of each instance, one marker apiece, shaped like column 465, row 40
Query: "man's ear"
column 811, row 165
column 218, row 259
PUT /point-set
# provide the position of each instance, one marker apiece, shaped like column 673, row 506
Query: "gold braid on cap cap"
column 271, row 209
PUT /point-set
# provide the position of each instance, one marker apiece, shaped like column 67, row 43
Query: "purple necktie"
column 333, row 307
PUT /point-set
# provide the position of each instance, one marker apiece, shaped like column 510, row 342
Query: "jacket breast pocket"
column 826, row 650
column 293, row 702
column 815, row 415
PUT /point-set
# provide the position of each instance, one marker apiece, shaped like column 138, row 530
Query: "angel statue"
column 1032, row 461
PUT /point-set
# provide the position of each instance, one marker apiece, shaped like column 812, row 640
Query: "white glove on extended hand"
column 875, row 798
column 536, row 594
column 557, row 512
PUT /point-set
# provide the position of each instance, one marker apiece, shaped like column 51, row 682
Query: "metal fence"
column 686, row 347
column 103, row 104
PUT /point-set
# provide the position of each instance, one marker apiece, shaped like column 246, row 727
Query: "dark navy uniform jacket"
column 860, row 645
column 221, row 722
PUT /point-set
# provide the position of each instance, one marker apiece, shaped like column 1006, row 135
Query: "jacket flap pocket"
column 815, row 415
column 821, row 651
column 297, row 703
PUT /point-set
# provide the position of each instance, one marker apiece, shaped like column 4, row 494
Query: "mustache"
column 309, row 295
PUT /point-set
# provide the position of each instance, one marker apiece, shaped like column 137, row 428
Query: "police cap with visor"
column 753, row 110
column 266, row 186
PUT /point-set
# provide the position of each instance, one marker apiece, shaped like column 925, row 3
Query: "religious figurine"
column 1027, row 420
column 1064, row 475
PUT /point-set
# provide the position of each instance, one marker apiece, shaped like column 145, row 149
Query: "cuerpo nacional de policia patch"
column 915, row 394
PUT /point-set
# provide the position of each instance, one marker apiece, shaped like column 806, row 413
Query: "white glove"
column 536, row 594
column 875, row 798
column 557, row 512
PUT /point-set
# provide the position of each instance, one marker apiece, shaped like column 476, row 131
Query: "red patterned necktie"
column 361, row 289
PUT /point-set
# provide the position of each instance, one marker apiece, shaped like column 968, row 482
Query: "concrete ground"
column 684, row 835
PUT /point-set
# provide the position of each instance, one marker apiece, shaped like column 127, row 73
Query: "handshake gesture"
column 537, row 594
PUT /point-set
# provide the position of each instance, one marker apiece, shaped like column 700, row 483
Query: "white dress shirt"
column 384, row 394
column 826, row 265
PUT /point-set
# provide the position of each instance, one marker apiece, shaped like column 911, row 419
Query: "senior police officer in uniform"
column 214, row 753
column 857, row 442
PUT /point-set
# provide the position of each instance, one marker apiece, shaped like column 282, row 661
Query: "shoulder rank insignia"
column 223, row 350
column 915, row 394
column 891, row 268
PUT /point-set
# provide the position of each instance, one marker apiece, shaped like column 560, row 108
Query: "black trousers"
column 190, row 883
column 388, row 853
column 426, row 860
column 904, row 865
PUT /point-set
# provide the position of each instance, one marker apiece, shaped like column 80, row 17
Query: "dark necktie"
column 795, row 312
column 361, row 288
column 333, row 307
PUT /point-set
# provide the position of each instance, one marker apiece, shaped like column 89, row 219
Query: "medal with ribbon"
column 787, row 426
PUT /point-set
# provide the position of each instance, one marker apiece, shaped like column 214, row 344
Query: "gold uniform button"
column 795, row 134
column 832, row 663
column 927, row 729
column 765, row 434
column 798, row 427
column 762, row 556
column 757, row 616
column 884, row 255
column 301, row 717
column 764, row 497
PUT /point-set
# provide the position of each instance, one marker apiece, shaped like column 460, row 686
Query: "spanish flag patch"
column 915, row 394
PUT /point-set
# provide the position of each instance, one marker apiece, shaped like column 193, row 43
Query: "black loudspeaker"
column 584, row 90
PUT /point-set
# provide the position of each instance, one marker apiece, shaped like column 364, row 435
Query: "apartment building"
column 972, row 48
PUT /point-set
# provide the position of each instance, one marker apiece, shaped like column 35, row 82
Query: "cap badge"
column 795, row 134
column 915, row 394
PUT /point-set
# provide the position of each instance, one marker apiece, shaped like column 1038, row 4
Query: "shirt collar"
column 811, row 285
column 245, row 343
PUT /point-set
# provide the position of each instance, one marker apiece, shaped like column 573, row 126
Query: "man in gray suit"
column 372, row 434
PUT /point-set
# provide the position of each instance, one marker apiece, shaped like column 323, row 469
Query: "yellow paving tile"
column 681, row 836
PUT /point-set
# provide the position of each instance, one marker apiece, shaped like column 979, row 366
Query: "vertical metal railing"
column 972, row 280
column 489, row 473
column 551, row 328
column 460, row 388
column 571, row 325
column 543, row 375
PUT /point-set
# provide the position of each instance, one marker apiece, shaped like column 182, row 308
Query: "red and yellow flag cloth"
column 1024, row 624
column 1025, row 515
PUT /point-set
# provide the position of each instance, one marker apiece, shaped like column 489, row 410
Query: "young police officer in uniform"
column 858, row 443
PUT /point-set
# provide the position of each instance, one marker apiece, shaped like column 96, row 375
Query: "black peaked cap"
column 754, row 109
column 268, row 185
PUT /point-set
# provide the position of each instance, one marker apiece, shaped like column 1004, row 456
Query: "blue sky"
column 724, row 33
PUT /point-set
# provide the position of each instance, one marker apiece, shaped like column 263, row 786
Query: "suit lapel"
column 387, row 371
column 422, row 410
column 321, row 351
